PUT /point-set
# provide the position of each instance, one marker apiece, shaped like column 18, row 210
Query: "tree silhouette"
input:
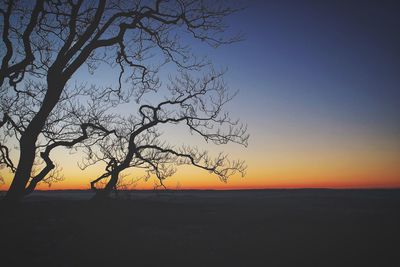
column 70, row 124
column 195, row 103
column 42, row 52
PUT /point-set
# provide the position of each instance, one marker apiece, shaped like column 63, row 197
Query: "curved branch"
column 14, row 71
column 45, row 155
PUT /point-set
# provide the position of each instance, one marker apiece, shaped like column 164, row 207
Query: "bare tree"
column 195, row 103
column 60, row 36
column 70, row 124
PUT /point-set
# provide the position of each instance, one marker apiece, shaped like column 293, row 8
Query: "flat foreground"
column 205, row 228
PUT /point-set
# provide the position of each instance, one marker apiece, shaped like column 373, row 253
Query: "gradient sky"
column 319, row 89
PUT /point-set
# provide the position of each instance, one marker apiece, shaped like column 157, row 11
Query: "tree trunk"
column 22, row 174
column 28, row 141
column 103, row 194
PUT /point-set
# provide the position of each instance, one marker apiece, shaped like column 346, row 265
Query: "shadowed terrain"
column 205, row 228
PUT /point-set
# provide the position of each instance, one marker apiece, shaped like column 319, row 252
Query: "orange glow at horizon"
column 282, row 168
column 288, row 155
column 191, row 178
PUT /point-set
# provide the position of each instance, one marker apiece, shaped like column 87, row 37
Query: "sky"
column 319, row 89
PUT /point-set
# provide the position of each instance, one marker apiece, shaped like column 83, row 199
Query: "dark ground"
column 189, row 228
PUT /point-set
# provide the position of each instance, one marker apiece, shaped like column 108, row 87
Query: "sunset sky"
column 319, row 87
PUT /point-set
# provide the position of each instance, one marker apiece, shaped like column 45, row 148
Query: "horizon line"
column 230, row 189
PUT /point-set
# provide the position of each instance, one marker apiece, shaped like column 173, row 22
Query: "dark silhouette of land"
column 204, row 228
